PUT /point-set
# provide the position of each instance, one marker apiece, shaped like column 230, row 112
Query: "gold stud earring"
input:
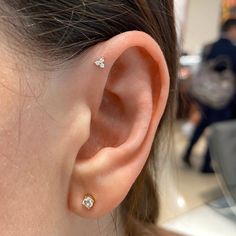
column 88, row 201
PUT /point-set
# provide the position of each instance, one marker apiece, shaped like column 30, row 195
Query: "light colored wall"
column 202, row 24
column 180, row 13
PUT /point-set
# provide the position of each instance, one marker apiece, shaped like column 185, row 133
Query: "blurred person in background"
column 225, row 47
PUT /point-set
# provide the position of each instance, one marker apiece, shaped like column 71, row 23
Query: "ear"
column 127, row 99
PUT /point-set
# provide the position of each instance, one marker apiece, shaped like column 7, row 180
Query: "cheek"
column 27, row 140
column 19, row 140
column 28, row 154
column 23, row 124
column 34, row 153
column 36, row 150
column 30, row 163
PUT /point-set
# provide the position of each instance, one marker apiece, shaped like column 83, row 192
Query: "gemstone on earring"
column 100, row 63
column 88, row 201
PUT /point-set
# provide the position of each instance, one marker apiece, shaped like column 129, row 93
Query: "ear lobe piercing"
column 88, row 201
column 100, row 63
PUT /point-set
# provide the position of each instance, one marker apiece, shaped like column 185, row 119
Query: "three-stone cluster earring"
column 100, row 62
column 88, row 201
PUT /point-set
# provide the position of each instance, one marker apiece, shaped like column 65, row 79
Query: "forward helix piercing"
column 88, row 201
column 100, row 62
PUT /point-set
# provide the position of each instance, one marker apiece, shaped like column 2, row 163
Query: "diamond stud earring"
column 100, row 63
column 88, row 201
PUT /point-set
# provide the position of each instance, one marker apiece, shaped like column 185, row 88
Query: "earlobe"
column 132, row 99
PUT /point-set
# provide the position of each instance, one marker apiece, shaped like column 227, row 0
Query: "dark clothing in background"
column 221, row 48
column 209, row 116
column 224, row 47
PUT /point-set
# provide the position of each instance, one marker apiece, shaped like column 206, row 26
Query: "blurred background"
column 199, row 182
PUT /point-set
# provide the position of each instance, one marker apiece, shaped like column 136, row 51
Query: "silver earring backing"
column 100, row 62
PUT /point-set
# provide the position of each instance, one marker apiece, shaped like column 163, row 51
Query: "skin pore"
column 75, row 130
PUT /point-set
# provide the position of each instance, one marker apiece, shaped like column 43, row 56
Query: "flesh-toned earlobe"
column 126, row 105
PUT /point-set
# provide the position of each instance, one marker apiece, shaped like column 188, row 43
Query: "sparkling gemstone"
column 88, row 202
column 100, row 63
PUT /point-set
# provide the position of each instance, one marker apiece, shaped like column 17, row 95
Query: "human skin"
column 75, row 130
column 231, row 34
